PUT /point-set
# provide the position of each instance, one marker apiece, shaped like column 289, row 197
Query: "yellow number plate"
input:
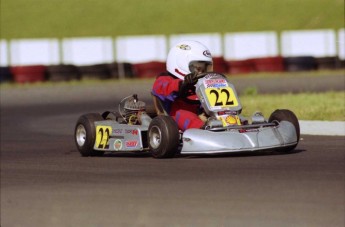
column 221, row 97
column 102, row 137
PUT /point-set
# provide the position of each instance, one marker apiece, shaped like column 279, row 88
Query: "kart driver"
column 175, row 88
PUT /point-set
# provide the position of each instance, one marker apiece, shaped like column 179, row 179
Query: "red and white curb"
column 322, row 128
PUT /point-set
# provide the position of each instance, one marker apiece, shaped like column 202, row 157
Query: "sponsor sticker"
column 117, row 145
column 231, row 120
column 117, row 131
column 184, row 47
column 131, row 131
column 215, row 83
column 211, row 76
column 131, row 143
column 207, row 53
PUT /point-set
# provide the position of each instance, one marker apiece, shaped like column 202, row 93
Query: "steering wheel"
column 202, row 75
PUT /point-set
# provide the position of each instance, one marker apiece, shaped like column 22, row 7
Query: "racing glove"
column 190, row 78
column 187, row 84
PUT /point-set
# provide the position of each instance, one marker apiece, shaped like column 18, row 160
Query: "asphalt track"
column 45, row 182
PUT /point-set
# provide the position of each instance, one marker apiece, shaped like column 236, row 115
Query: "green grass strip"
column 80, row 18
column 327, row 106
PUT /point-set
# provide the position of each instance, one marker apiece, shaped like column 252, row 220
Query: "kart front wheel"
column 85, row 134
column 286, row 115
column 163, row 137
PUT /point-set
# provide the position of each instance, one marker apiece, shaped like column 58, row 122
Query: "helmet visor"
column 200, row 67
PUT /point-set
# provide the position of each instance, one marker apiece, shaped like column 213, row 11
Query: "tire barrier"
column 37, row 73
column 121, row 70
column 5, row 74
column 295, row 64
column 98, row 71
column 240, row 67
column 219, row 65
column 62, row 73
column 327, row 62
column 269, row 64
column 29, row 74
column 341, row 64
column 149, row 69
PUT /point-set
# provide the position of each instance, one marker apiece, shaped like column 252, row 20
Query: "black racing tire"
column 98, row 71
column 85, row 134
column 302, row 63
column 5, row 74
column 62, row 72
column 340, row 64
column 326, row 63
column 151, row 111
column 121, row 70
column 286, row 115
column 163, row 137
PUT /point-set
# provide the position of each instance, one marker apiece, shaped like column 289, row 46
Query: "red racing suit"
column 166, row 87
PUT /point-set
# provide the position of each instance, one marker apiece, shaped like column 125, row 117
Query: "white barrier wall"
column 240, row 46
column 34, row 52
column 212, row 41
column 316, row 43
column 140, row 49
column 87, row 51
column 341, row 44
column 3, row 53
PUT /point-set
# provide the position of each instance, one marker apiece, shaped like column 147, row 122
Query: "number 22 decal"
column 224, row 97
column 219, row 102
column 102, row 137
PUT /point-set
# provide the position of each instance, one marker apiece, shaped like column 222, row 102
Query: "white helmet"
column 188, row 56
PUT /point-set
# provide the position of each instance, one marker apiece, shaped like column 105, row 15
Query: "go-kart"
column 135, row 128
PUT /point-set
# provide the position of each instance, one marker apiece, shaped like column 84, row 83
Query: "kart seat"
column 158, row 106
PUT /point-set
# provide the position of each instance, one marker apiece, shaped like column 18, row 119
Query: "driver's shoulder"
column 166, row 76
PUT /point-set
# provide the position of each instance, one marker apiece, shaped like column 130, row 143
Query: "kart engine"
column 129, row 108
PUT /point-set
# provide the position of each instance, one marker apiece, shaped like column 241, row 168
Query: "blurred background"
column 57, row 40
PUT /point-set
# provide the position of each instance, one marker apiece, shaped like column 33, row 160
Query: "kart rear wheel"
column 151, row 111
column 286, row 115
column 163, row 137
column 85, row 134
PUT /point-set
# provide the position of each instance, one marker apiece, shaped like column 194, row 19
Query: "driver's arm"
column 166, row 87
